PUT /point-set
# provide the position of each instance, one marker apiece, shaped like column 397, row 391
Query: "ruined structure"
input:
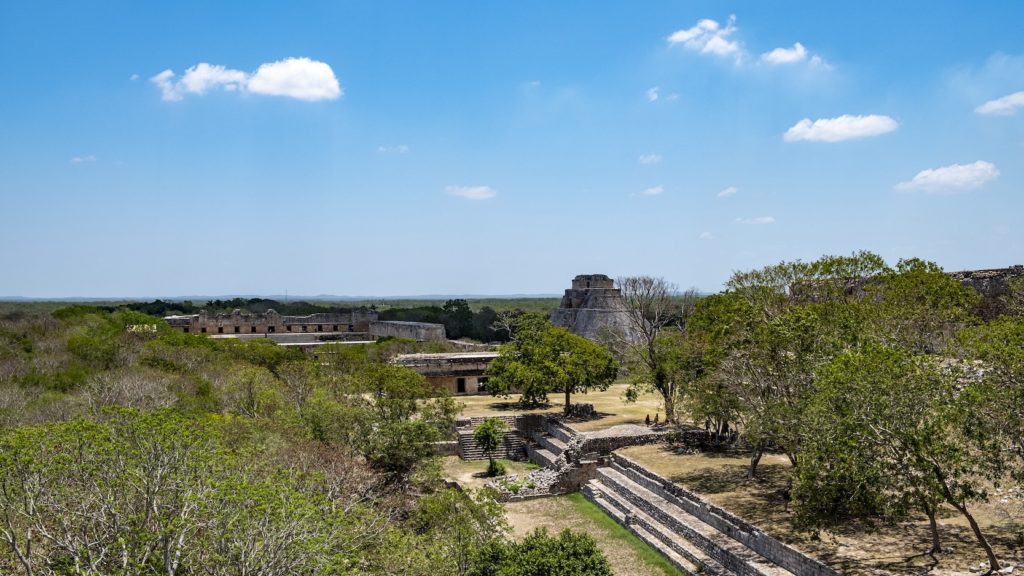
column 359, row 324
column 270, row 322
column 592, row 308
column 995, row 286
column 457, row 372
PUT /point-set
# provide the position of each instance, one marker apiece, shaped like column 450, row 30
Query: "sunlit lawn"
column 610, row 404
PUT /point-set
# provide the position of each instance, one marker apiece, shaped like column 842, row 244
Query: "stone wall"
column 418, row 331
column 270, row 322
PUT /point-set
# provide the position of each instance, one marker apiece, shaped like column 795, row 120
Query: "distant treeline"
column 459, row 320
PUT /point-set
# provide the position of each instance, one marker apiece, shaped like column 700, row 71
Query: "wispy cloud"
column 299, row 78
column 652, row 94
column 652, row 191
column 709, row 37
column 706, row 236
column 845, row 127
column 133, row 77
column 785, row 55
column 650, row 158
column 1005, row 106
column 399, row 149
column 952, row 179
column 756, row 220
column 472, row 192
column 794, row 55
column 83, row 159
column 727, row 192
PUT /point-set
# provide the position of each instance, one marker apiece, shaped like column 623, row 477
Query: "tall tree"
column 652, row 305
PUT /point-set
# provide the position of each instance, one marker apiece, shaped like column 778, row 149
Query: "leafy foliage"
column 542, row 358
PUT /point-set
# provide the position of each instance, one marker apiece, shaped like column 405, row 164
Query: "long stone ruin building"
column 592, row 308
column 355, row 325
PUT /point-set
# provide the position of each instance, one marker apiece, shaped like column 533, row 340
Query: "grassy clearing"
column 854, row 547
column 610, row 405
column 628, row 555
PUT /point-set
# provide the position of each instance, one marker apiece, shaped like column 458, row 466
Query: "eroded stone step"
column 542, row 457
column 731, row 554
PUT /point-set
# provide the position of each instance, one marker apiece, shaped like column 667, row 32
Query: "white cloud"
column 652, row 191
column 1004, row 106
column 785, row 55
column 399, row 149
column 953, row 178
column 845, row 127
column 472, row 192
column 730, row 191
column 650, row 158
column 299, row 78
column 133, row 77
column 756, row 220
column 709, row 37
column 706, row 236
column 652, row 94
column 83, row 159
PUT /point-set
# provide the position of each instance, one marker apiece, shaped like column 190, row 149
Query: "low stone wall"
column 724, row 521
column 604, row 446
column 446, row 448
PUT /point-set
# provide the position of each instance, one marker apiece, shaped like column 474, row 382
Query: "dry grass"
column 610, row 404
column 855, row 548
column 472, row 473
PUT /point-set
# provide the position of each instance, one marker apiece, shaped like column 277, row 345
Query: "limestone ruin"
column 593, row 308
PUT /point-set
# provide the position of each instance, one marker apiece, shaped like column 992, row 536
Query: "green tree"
column 538, row 554
column 888, row 432
column 457, row 523
column 488, row 436
column 542, row 358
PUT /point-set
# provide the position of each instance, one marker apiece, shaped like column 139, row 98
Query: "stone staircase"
column 696, row 537
column 512, row 447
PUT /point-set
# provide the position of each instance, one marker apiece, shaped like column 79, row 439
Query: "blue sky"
column 404, row 148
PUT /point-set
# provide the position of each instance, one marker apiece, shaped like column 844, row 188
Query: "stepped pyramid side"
column 593, row 308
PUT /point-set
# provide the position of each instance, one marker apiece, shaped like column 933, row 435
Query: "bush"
column 496, row 468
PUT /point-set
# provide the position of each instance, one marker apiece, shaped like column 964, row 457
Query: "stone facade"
column 457, row 372
column 271, row 322
column 418, row 331
column 593, row 308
